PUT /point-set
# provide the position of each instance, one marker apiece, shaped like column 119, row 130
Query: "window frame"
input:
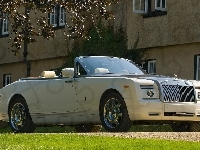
column 4, row 24
column 161, row 5
column 59, row 16
column 142, row 64
column 154, row 66
column 53, row 15
column 149, row 10
column 5, row 76
column 62, row 20
column 140, row 11
column 197, row 67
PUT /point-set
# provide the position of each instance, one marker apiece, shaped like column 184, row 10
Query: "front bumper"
column 155, row 110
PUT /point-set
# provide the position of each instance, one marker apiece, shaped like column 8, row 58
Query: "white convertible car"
column 100, row 90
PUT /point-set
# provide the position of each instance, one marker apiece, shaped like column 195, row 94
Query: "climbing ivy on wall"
column 105, row 42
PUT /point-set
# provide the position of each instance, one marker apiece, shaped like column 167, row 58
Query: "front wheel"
column 114, row 114
column 19, row 117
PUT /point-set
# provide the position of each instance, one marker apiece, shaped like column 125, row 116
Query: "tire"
column 195, row 127
column 88, row 128
column 185, row 127
column 114, row 114
column 19, row 118
column 180, row 126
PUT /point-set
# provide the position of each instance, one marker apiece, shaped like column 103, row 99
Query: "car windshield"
column 110, row 65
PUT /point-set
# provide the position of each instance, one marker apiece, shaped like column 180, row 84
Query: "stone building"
column 168, row 31
column 42, row 55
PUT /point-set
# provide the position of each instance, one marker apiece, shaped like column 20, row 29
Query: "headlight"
column 150, row 93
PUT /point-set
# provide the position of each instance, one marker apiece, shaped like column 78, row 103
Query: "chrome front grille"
column 177, row 93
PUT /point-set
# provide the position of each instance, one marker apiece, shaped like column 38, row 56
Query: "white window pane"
column 140, row 6
column 62, row 17
column 198, row 68
column 137, row 4
column 198, row 78
column 160, row 5
column 142, row 64
column 7, row 79
column 4, row 25
column 53, row 17
column 163, row 3
column 152, row 67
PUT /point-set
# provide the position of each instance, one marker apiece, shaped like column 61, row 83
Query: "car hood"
column 163, row 80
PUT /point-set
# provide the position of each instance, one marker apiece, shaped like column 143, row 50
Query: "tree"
column 81, row 12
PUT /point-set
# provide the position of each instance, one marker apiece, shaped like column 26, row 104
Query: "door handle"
column 68, row 81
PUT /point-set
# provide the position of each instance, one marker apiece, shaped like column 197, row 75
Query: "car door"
column 57, row 96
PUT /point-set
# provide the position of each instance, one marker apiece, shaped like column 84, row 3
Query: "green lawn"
column 69, row 141
column 65, row 138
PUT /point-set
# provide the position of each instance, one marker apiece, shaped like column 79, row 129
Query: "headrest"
column 68, row 72
column 48, row 74
column 101, row 70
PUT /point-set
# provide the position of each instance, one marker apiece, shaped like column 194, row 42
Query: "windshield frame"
column 83, row 61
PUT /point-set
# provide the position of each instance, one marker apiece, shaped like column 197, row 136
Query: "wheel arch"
column 26, row 124
column 128, row 101
column 125, row 125
column 13, row 98
column 108, row 91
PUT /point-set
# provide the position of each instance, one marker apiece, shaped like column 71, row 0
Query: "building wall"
column 43, row 54
column 180, row 25
column 18, row 69
column 42, row 49
column 171, row 39
column 177, row 59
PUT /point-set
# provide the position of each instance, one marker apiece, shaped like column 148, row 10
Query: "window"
column 150, row 8
column 140, row 6
column 160, row 5
column 6, row 79
column 3, row 25
column 58, row 17
column 152, row 67
column 197, row 68
column 62, row 17
column 142, row 64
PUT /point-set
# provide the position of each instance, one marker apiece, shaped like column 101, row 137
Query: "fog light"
column 150, row 93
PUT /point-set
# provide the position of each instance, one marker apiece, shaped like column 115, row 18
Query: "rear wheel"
column 19, row 117
column 88, row 128
column 114, row 114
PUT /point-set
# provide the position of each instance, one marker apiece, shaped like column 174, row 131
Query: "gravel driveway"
column 187, row 136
